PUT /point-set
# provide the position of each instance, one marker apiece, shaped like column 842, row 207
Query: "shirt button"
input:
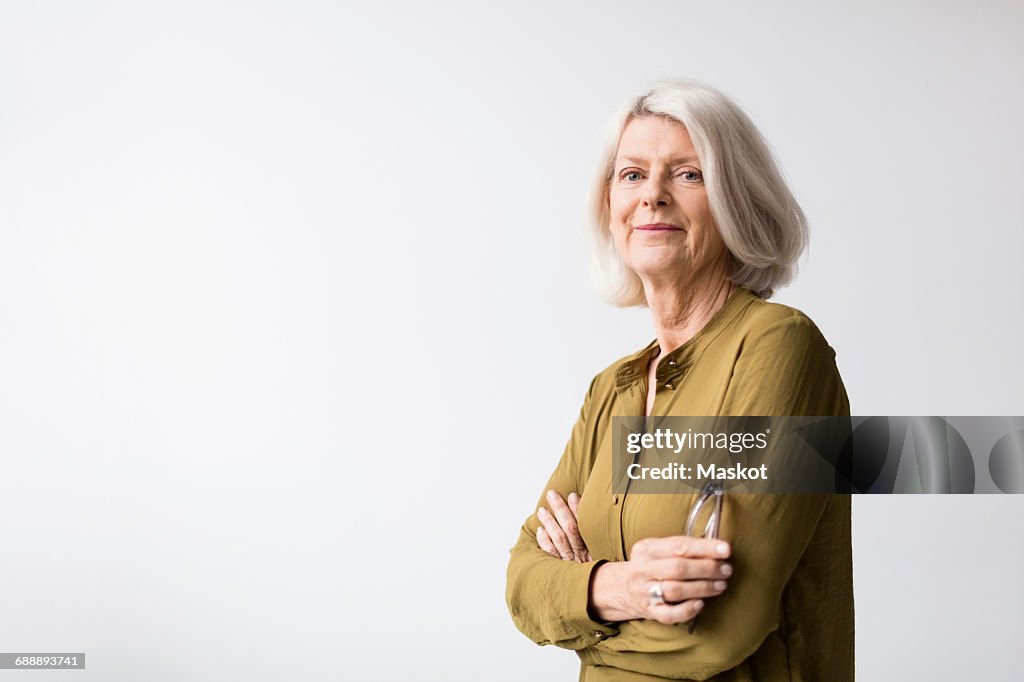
column 598, row 634
column 615, row 499
column 669, row 386
column 672, row 363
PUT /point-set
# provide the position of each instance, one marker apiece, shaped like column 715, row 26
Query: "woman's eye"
column 691, row 175
column 631, row 176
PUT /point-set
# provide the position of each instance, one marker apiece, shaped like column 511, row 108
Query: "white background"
column 277, row 281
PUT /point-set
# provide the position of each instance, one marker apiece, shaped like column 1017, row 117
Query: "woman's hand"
column 688, row 569
column 559, row 532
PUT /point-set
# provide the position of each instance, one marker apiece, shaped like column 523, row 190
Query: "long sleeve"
column 788, row 370
column 547, row 596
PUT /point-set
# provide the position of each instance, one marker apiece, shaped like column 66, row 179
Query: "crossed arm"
column 689, row 570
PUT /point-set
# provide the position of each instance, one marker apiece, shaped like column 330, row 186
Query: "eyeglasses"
column 711, row 490
column 711, row 496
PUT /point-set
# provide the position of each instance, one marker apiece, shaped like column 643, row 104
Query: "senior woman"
column 691, row 218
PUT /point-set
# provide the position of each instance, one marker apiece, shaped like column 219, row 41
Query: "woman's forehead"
column 655, row 138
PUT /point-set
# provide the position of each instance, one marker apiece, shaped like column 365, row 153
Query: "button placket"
column 629, row 404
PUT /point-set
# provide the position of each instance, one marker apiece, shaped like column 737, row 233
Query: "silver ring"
column 656, row 595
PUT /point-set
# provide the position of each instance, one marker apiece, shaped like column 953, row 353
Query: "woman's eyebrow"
column 641, row 162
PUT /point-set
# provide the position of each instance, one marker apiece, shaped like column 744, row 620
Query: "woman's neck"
column 679, row 313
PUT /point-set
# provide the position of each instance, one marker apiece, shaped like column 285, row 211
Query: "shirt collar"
column 672, row 364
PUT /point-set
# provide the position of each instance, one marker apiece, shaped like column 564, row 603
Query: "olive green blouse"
column 788, row 611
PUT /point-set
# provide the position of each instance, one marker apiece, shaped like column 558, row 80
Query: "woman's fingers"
column 682, row 600
column 544, row 541
column 686, row 582
column 555, row 533
column 561, row 530
column 566, row 518
column 681, row 568
column 673, row 614
column 676, row 591
column 680, row 546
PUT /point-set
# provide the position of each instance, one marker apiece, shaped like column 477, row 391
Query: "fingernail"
column 542, row 512
column 699, row 604
column 726, row 570
column 720, row 584
column 722, row 548
column 551, row 494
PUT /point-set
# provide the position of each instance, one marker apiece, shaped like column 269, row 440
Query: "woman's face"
column 660, row 217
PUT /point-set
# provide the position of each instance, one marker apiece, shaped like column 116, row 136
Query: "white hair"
column 756, row 214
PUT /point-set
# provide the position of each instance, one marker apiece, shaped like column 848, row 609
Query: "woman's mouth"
column 659, row 227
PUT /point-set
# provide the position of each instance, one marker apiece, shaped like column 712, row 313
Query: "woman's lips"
column 659, row 227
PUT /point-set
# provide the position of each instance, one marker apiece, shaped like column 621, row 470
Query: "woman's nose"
column 655, row 194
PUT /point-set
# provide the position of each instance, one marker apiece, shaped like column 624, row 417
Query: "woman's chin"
column 659, row 268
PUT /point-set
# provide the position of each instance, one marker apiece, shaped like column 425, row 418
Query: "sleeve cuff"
column 576, row 598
